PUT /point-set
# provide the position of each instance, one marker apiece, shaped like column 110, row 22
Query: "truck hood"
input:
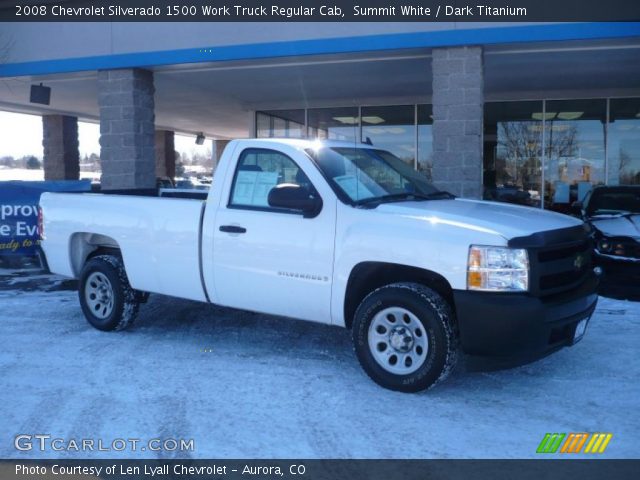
column 506, row 220
column 620, row 226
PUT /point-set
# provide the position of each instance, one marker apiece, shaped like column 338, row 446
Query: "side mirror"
column 295, row 197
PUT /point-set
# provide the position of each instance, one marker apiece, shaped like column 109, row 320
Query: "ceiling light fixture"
column 569, row 115
column 546, row 115
column 346, row 120
column 374, row 120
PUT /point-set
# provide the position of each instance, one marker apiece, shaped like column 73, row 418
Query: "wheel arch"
column 84, row 246
column 365, row 277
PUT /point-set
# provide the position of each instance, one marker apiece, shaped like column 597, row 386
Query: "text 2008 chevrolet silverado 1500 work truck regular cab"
column 342, row 234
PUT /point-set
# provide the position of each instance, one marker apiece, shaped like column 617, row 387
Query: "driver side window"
column 260, row 170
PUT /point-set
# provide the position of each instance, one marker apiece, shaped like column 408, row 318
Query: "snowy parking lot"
column 243, row 385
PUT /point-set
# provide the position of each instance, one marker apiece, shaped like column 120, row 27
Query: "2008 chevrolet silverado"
column 342, row 234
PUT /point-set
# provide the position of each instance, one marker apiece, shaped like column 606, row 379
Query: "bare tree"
column 520, row 148
column 561, row 142
column 626, row 173
column 522, row 140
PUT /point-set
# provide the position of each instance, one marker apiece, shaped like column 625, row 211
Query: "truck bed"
column 159, row 238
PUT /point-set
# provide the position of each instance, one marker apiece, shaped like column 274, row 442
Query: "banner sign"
column 19, row 212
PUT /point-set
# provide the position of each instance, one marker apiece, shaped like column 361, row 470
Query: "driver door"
column 268, row 259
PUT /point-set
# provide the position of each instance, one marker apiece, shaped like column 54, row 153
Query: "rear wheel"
column 404, row 337
column 107, row 300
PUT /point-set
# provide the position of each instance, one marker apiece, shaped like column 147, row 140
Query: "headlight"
column 615, row 246
column 498, row 269
column 604, row 245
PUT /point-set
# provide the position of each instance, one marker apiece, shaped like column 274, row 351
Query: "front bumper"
column 514, row 329
column 620, row 277
column 618, row 268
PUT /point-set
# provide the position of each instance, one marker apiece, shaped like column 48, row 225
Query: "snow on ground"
column 34, row 175
column 244, row 385
column 21, row 174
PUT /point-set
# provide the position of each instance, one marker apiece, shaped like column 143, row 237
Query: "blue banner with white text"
column 19, row 212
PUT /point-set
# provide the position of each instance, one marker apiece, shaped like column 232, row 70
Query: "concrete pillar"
column 458, row 100
column 60, row 144
column 127, row 133
column 165, row 154
column 216, row 151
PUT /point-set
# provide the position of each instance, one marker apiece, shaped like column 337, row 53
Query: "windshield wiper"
column 440, row 194
column 398, row 197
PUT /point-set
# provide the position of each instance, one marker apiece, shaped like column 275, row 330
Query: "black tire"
column 424, row 307
column 113, row 313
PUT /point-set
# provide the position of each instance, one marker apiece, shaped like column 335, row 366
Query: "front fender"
column 428, row 244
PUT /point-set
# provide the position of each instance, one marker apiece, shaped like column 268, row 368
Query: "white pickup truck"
column 342, row 234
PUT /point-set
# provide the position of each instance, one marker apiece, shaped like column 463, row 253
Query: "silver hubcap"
column 98, row 294
column 398, row 341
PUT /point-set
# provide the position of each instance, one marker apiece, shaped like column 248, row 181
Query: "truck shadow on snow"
column 194, row 328
column 248, row 335
column 215, row 327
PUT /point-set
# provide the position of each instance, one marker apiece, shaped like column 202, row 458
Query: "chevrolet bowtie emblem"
column 578, row 262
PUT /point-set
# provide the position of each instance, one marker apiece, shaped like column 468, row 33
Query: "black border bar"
column 545, row 468
column 320, row 11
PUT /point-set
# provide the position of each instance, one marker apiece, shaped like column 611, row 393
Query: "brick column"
column 127, row 133
column 60, row 147
column 458, row 99
column 165, row 154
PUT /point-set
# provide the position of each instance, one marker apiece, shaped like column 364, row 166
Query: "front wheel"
column 107, row 300
column 404, row 337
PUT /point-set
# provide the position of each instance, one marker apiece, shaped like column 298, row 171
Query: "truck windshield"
column 369, row 177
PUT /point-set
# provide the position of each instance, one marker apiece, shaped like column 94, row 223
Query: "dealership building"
column 528, row 113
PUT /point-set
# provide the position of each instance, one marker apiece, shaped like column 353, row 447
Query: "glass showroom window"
column 624, row 141
column 425, row 139
column 512, row 157
column 263, row 125
column 574, row 150
column 340, row 123
column 280, row 123
column 393, row 129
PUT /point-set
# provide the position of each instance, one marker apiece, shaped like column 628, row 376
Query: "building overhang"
column 212, row 92
column 447, row 37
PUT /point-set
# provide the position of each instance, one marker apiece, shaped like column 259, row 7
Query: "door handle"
column 232, row 229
